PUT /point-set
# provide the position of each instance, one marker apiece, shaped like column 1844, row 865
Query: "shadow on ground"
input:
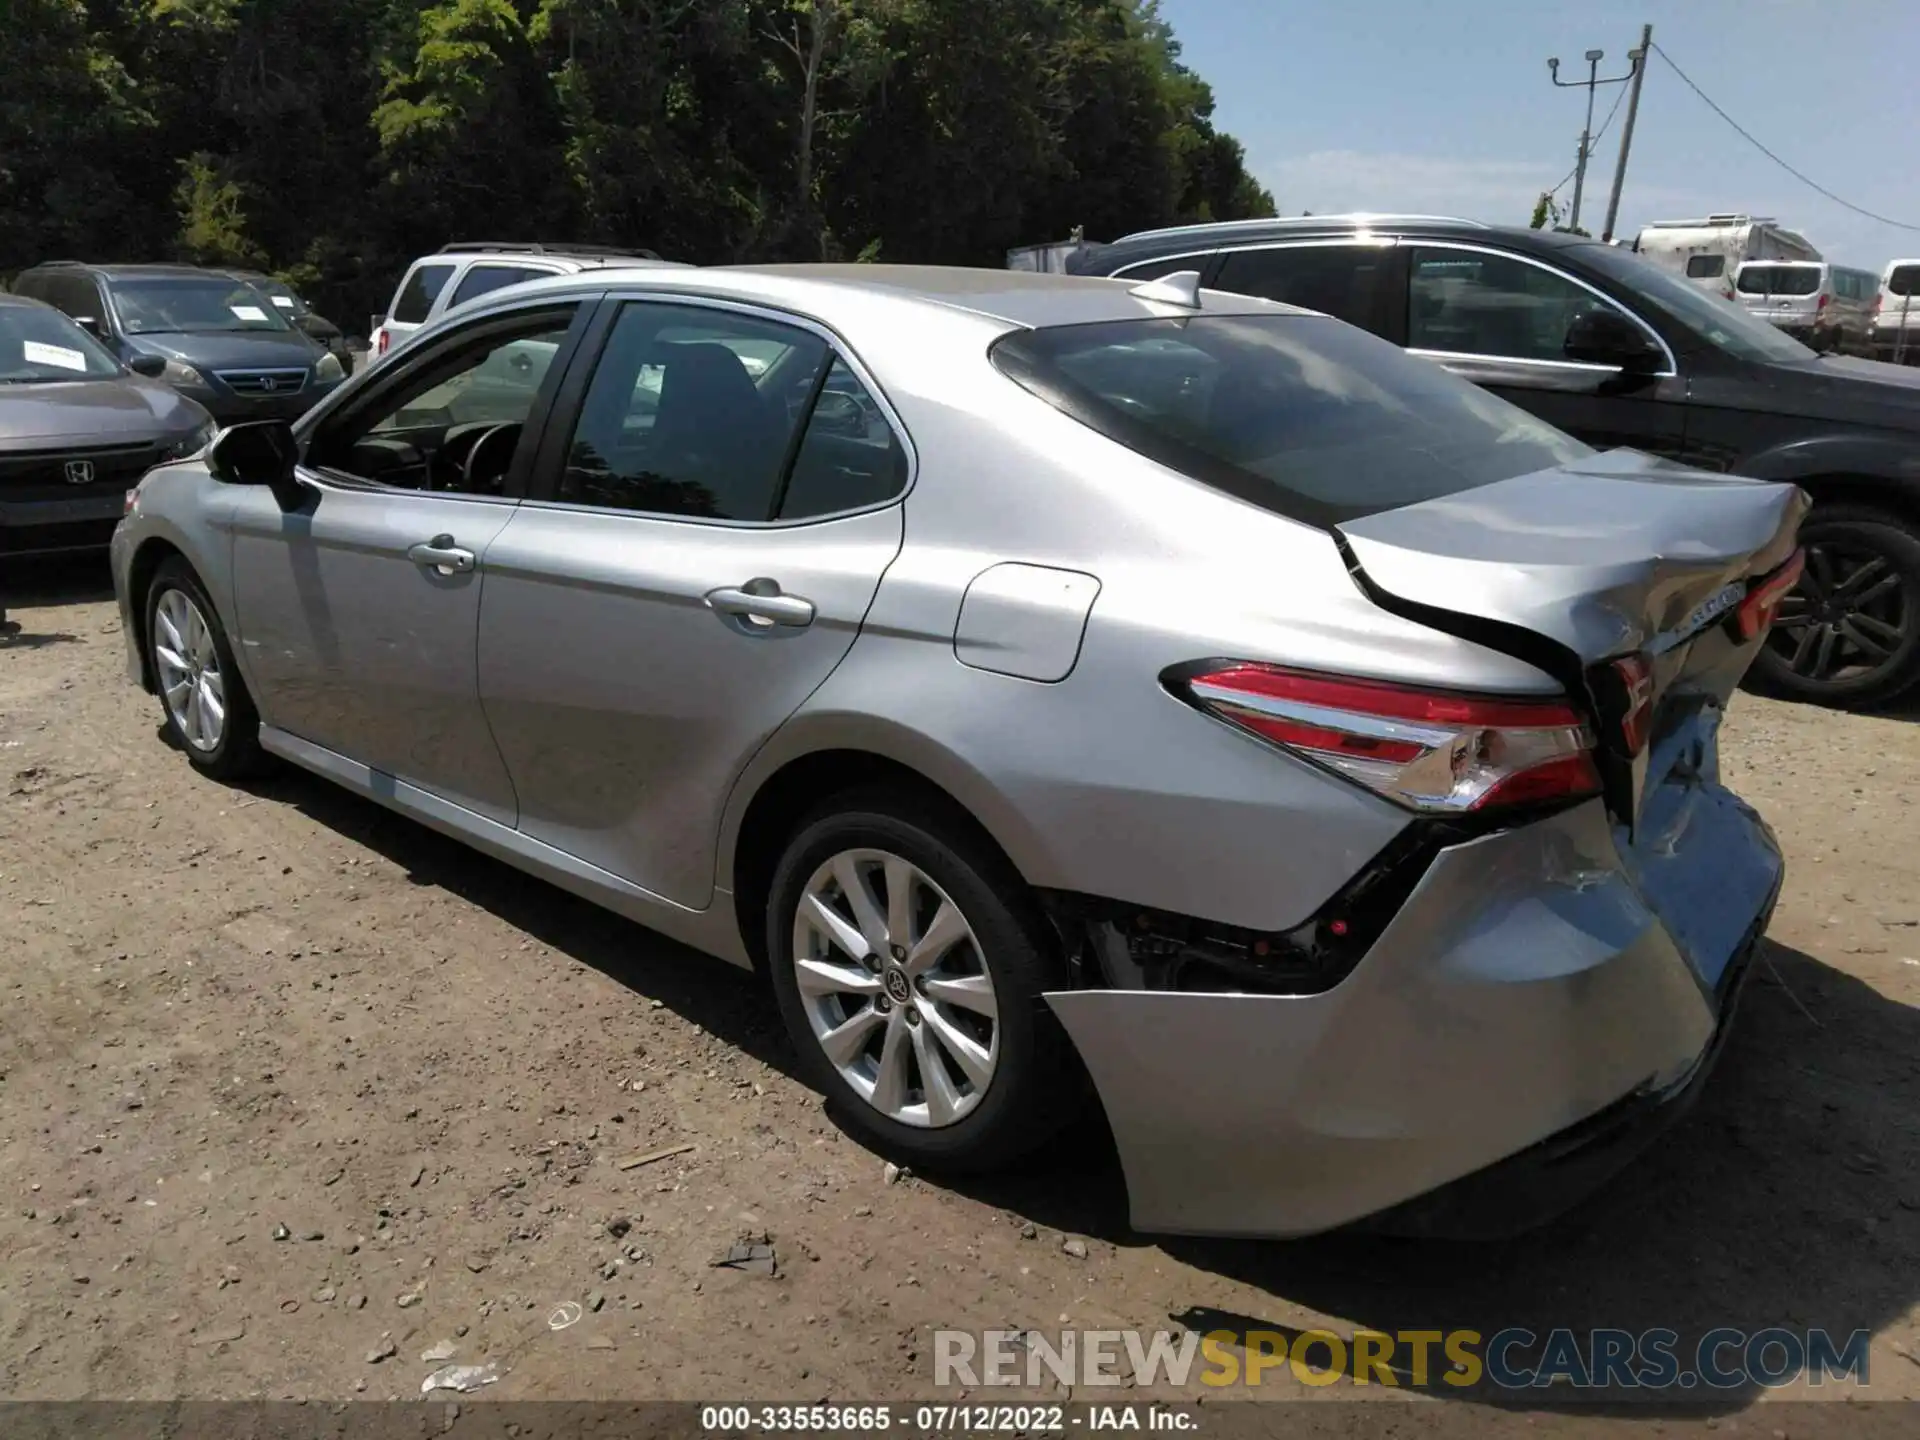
column 28, row 583
column 1789, row 1197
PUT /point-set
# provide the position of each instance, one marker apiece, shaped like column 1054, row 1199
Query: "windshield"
column 39, row 344
column 282, row 296
column 1728, row 328
column 1778, row 279
column 193, row 305
column 1301, row 415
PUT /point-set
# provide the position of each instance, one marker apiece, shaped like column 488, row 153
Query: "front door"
column 699, row 549
column 358, row 612
column 1501, row 321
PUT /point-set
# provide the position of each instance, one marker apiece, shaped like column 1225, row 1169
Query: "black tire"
column 1852, row 538
column 237, row 754
column 1037, row 1086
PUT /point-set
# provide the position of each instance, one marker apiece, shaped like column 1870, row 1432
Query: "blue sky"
column 1447, row 108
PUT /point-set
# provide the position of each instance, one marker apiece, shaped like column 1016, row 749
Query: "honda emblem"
column 79, row 472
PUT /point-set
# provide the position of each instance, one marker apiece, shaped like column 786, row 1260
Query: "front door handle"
column 759, row 603
column 442, row 555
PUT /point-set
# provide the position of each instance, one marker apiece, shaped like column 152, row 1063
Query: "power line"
column 1798, row 175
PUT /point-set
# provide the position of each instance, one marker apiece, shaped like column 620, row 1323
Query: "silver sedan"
column 1058, row 688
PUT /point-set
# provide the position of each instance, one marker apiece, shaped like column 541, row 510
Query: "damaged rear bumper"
column 1528, row 1020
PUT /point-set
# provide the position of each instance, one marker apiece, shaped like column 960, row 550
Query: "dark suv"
column 1602, row 344
column 223, row 343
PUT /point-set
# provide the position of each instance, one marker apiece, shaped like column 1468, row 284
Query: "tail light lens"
column 382, row 341
column 1756, row 612
column 1876, row 305
column 1636, row 722
column 1823, row 302
column 1435, row 751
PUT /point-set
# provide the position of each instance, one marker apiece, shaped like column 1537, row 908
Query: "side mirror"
column 91, row 324
column 261, row 452
column 1606, row 337
column 151, row 366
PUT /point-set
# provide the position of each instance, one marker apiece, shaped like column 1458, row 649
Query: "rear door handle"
column 759, row 602
column 442, row 555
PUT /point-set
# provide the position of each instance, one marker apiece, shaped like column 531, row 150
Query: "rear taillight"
column 381, row 342
column 126, row 507
column 1876, row 305
column 1823, row 302
column 1430, row 750
column 1756, row 612
column 1636, row 720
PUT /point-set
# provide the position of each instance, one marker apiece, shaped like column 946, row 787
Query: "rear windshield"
column 1300, row 415
column 1778, row 279
column 1903, row 280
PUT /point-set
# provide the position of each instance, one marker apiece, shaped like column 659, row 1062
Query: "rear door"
column 715, row 501
column 1501, row 320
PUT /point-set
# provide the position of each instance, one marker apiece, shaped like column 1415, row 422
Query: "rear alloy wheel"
column 210, row 715
column 1849, row 633
column 910, row 970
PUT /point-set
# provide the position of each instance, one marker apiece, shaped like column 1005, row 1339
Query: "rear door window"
column 416, row 297
column 1338, row 280
column 1300, row 415
column 1904, row 280
column 686, row 414
column 1706, row 267
column 481, row 279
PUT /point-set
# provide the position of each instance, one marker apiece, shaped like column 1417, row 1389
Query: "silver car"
column 1055, row 687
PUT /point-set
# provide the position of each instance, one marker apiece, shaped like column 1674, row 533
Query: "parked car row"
column 1618, row 352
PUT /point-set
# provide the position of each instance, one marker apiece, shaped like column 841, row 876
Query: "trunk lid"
column 1576, row 567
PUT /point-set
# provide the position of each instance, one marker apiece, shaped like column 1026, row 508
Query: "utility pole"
column 1639, row 58
column 1592, row 83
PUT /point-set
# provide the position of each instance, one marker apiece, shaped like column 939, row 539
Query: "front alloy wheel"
column 894, row 988
column 210, row 715
column 192, row 685
column 1849, row 633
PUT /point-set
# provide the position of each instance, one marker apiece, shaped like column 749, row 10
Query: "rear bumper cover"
column 1529, row 988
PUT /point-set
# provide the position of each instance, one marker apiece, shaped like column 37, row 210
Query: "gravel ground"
column 293, row 1091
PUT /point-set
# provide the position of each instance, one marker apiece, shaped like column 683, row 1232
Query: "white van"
column 1896, row 314
column 1708, row 250
column 1829, row 307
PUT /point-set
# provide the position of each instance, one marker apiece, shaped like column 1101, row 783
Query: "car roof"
column 114, row 270
column 1179, row 239
column 8, row 298
column 1022, row 298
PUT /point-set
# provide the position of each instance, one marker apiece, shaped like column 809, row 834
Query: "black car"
column 220, row 341
column 1606, row 346
column 308, row 321
column 77, row 431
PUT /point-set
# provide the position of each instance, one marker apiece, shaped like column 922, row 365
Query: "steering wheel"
column 484, row 467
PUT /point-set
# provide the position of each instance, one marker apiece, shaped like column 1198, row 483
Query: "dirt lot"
column 287, row 1082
